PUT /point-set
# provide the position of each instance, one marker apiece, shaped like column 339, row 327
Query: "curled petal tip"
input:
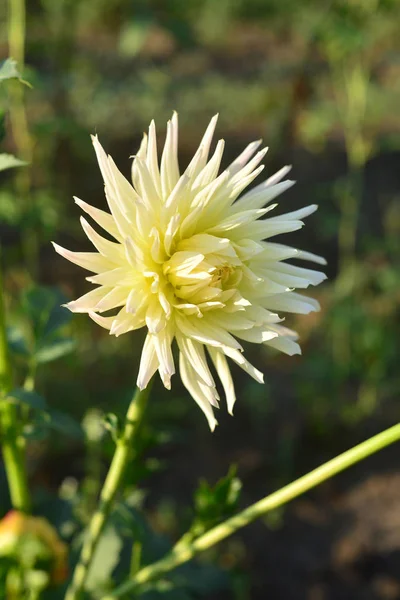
column 213, row 425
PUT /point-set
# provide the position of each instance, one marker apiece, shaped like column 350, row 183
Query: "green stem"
column 110, row 488
column 19, row 124
column 13, row 455
column 16, row 44
column 182, row 554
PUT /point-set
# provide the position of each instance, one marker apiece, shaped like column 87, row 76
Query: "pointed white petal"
column 89, row 301
column 91, row 261
column 105, row 220
column 148, row 363
column 224, row 373
column 198, row 392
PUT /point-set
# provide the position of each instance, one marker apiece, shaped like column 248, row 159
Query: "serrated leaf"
column 55, row 350
column 9, row 70
column 30, row 398
column 8, row 161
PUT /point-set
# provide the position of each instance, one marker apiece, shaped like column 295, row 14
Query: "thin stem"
column 110, row 488
column 19, row 122
column 13, row 455
column 16, row 44
column 182, row 554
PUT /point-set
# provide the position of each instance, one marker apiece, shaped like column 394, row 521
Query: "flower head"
column 191, row 259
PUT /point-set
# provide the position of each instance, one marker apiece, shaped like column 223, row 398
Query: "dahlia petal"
column 125, row 194
column 200, row 158
column 108, row 249
column 188, row 376
column 207, row 334
column 170, row 233
column 276, row 177
column 155, row 317
column 240, row 219
column 303, row 255
column 292, row 302
column 194, row 353
column 308, row 276
column 119, row 216
column 91, row 261
column 261, row 195
column 244, row 157
column 175, row 196
column 140, row 154
column 152, row 160
column 267, row 286
column 203, row 243
column 211, row 169
column 89, row 301
column 297, row 214
column 148, row 363
column 273, row 251
column 240, row 360
column 243, row 183
column 125, row 322
column 104, row 322
column 119, row 276
column 257, row 335
column 232, row 322
column 134, row 253
column 183, row 262
column 262, row 230
column 169, row 159
column 148, row 190
column 105, row 220
column 162, row 343
column 116, row 297
column 224, row 373
column 286, row 345
column 249, row 167
column 137, row 299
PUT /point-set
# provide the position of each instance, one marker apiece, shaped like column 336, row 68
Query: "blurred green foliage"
column 320, row 82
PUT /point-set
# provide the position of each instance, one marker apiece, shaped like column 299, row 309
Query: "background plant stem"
column 124, row 449
column 11, row 440
column 19, row 124
column 183, row 553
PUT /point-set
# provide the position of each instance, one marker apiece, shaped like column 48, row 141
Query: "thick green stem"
column 13, row 455
column 183, row 553
column 123, row 452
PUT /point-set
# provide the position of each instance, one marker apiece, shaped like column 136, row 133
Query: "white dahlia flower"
column 192, row 261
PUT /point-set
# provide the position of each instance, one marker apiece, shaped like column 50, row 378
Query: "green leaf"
column 8, row 161
column 212, row 504
column 43, row 307
column 55, row 350
column 17, row 341
column 32, row 399
column 105, row 559
column 111, row 423
column 64, row 423
column 9, row 70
